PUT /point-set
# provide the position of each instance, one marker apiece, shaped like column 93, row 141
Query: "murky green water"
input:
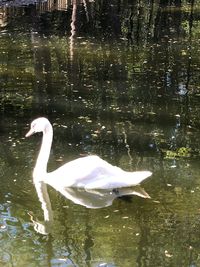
column 133, row 101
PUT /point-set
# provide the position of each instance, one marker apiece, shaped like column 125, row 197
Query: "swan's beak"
column 30, row 132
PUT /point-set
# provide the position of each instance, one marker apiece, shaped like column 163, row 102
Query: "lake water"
column 120, row 80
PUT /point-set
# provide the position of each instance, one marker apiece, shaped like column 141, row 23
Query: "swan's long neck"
column 43, row 157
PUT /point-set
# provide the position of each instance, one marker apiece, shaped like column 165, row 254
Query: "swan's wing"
column 124, row 179
column 106, row 183
column 98, row 184
column 93, row 173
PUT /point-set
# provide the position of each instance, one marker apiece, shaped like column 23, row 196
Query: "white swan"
column 90, row 172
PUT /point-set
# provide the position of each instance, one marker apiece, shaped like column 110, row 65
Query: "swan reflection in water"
column 90, row 198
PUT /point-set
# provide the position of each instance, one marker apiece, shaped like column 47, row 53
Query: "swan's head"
column 39, row 125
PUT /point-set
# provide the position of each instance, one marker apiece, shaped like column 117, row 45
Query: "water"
column 133, row 101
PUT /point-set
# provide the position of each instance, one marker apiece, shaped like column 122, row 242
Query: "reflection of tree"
column 191, row 18
column 73, row 29
column 167, row 22
column 3, row 17
column 71, row 64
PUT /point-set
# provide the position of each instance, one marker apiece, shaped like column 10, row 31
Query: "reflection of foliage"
column 106, row 84
column 180, row 152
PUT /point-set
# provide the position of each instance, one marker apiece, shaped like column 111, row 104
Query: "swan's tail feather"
column 140, row 176
column 135, row 178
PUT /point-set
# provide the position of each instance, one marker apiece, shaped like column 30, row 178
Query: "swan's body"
column 90, row 172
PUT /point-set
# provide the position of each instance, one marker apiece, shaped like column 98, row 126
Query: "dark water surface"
column 120, row 80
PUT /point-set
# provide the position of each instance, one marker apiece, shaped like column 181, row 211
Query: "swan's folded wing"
column 98, row 184
column 114, row 181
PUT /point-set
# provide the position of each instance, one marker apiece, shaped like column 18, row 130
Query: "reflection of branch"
column 73, row 29
column 127, row 146
column 190, row 38
column 86, row 9
column 3, row 17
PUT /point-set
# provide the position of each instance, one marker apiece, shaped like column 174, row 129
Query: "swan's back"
column 92, row 172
